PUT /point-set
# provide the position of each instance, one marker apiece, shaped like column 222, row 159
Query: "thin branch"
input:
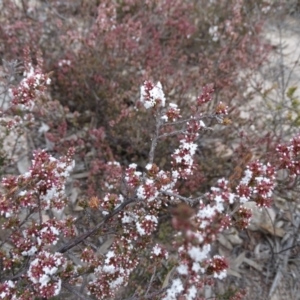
column 55, row 11
column 18, row 228
column 24, row 8
column 150, row 283
column 151, row 296
column 39, row 209
column 204, row 116
column 155, row 137
column 185, row 199
column 171, row 133
column 72, row 290
column 180, row 132
column 84, row 236
column 23, row 270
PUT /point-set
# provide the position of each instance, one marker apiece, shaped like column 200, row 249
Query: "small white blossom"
column 175, row 289
column 198, row 254
column 44, row 128
column 156, row 94
column 192, row 293
column 148, row 167
column 213, row 32
column 156, row 250
column 220, row 275
column 247, row 177
column 182, row 269
column 140, row 229
column 202, row 123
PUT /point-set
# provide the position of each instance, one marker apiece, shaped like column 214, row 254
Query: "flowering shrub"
column 37, row 250
column 99, row 51
column 109, row 245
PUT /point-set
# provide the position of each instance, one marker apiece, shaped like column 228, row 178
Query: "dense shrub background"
column 100, row 53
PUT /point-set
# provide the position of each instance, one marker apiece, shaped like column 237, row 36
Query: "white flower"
column 192, row 293
column 220, row 275
column 202, row 124
column 247, row 177
column 156, row 95
column 182, row 269
column 156, row 250
column 213, row 31
column 174, row 290
column 198, row 254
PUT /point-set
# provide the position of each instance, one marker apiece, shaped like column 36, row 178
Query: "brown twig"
column 84, row 236
column 155, row 137
column 72, row 290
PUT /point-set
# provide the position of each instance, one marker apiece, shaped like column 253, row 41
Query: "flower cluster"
column 7, row 290
column 206, row 94
column 133, row 177
column 115, row 270
column 221, row 109
column 152, row 95
column 36, row 237
column 158, row 252
column 198, row 231
column 110, row 202
column 193, row 241
column 213, row 31
column 288, row 156
column 23, row 205
column 147, row 191
column 217, row 266
column 183, row 156
column 43, row 273
column 172, row 114
column 258, row 183
column 42, row 186
column 33, row 85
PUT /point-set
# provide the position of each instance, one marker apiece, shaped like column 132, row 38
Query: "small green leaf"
column 290, row 92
